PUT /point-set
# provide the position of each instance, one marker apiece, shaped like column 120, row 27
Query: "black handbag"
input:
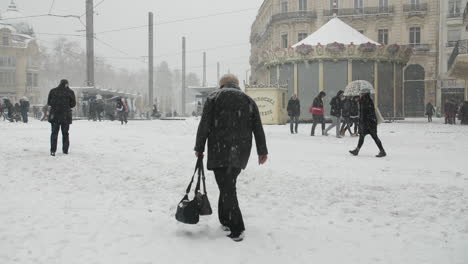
column 189, row 211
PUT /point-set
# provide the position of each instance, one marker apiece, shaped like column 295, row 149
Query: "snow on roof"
column 335, row 31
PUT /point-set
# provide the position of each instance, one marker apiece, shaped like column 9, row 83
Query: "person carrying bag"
column 189, row 211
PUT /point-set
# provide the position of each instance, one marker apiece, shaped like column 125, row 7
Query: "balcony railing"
column 460, row 48
column 454, row 15
column 451, row 44
column 293, row 15
column 365, row 11
column 416, row 8
column 421, row 47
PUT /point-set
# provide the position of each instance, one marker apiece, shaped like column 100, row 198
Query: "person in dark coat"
column 294, row 112
column 61, row 101
column 346, row 113
column 368, row 124
column 24, row 109
column 336, row 113
column 463, row 114
column 317, row 112
column 430, row 111
column 354, row 114
column 10, row 109
column 121, row 111
column 229, row 119
column 99, row 109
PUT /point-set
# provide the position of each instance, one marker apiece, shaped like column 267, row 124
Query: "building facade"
column 283, row 23
column 452, row 30
column 19, row 65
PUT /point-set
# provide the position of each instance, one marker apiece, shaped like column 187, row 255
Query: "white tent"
column 335, row 31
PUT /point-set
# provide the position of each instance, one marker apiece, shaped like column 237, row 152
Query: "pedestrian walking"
column 9, row 108
column 317, row 112
column 61, row 101
column 354, row 114
column 463, row 114
column 24, row 109
column 294, row 112
column 346, row 113
column 229, row 119
column 121, row 111
column 430, row 111
column 368, row 124
column 335, row 112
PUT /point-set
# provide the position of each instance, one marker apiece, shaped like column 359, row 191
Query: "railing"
column 460, row 48
column 420, row 47
column 451, row 44
column 365, row 11
column 293, row 15
column 415, row 8
column 454, row 15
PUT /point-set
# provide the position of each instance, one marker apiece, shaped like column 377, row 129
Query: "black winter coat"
column 367, row 116
column 336, row 106
column 61, row 101
column 24, row 105
column 229, row 119
column 354, row 111
column 346, row 111
column 294, row 107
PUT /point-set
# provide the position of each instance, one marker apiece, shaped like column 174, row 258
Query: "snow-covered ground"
column 113, row 199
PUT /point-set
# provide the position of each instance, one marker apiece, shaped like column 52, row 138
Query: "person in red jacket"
column 317, row 112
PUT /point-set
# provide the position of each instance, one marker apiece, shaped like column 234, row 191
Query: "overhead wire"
column 51, row 6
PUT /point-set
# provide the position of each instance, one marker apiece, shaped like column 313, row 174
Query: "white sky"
column 230, row 30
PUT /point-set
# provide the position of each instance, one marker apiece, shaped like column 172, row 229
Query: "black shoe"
column 381, row 154
column 65, row 152
column 52, row 154
column 354, row 152
column 236, row 237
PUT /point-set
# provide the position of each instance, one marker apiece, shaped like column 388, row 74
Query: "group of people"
column 17, row 112
column 347, row 112
column 98, row 109
column 452, row 110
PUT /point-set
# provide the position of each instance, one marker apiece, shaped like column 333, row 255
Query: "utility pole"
column 204, row 69
column 218, row 68
column 90, row 43
column 150, row 59
column 183, row 75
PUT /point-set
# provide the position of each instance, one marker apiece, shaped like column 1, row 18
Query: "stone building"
column 283, row 23
column 19, row 66
column 452, row 29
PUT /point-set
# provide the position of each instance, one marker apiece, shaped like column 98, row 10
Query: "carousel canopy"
column 335, row 31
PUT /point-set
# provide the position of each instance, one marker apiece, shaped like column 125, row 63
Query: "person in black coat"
column 463, row 114
column 24, row 109
column 336, row 113
column 229, row 119
column 294, row 112
column 346, row 113
column 61, row 100
column 9, row 108
column 430, row 110
column 317, row 112
column 354, row 114
column 368, row 124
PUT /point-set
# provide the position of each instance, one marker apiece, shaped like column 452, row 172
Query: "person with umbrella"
column 368, row 123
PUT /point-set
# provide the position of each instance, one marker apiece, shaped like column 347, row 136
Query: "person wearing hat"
column 61, row 100
column 368, row 123
column 294, row 112
column 24, row 108
column 229, row 119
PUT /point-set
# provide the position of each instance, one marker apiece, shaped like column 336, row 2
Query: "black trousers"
column 294, row 120
column 347, row 124
column 65, row 127
column 429, row 118
column 24, row 115
column 375, row 137
column 318, row 119
column 229, row 212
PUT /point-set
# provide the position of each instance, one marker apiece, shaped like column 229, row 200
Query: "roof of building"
column 335, row 31
column 15, row 18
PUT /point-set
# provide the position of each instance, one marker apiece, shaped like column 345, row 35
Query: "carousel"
column 331, row 58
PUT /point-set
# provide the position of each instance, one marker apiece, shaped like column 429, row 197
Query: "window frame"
column 383, row 36
column 284, row 45
column 415, row 35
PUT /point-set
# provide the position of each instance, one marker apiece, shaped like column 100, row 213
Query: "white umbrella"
column 356, row 87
